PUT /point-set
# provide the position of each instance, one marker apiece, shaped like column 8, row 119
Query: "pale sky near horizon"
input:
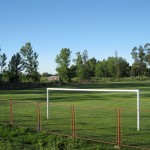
column 99, row 26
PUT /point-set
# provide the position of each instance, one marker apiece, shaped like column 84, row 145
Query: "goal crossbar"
column 99, row 90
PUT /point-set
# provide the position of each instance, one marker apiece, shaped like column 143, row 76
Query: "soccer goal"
column 99, row 90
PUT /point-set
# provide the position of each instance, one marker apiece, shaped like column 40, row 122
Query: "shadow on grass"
column 115, row 85
column 39, row 94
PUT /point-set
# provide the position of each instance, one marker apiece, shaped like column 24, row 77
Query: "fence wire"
column 90, row 123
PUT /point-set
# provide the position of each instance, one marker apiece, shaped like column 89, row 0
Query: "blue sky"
column 99, row 26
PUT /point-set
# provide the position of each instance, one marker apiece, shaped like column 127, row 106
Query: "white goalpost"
column 98, row 90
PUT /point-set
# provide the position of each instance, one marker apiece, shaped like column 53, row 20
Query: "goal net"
column 137, row 92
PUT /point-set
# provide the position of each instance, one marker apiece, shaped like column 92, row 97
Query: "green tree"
column 115, row 67
column 72, row 71
column 85, row 67
column 135, row 69
column 85, row 56
column 118, row 66
column 63, row 63
column 122, row 67
column 134, row 54
column 139, row 65
column 46, row 74
column 147, row 49
column 30, row 62
column 15, row 68
column 79, row 66
column 90, row 68
column 3, row 59
column 101, row 69
column 111, row 66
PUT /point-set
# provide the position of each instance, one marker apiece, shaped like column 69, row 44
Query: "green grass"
column 95, row 111
column 15, row 138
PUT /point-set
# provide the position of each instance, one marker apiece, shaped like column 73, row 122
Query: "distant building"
column 53, row 78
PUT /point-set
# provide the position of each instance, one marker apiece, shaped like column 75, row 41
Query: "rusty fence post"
column 119, row 137
column 38, row 117
column 11, row 112
column 73, row 122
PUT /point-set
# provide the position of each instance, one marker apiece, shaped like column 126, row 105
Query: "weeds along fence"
column 114, row 126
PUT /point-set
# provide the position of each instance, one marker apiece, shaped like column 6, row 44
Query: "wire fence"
column 114, row 126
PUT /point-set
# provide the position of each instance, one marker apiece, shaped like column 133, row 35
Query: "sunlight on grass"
column 95, row 111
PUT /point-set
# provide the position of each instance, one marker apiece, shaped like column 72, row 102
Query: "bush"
column 13, row 137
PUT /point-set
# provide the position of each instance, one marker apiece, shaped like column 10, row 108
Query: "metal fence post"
column 38, row 118
column 119, row 139
column 11, row 112
column 73, row 122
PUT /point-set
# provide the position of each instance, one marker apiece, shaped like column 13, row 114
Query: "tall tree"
column 30, row 61
column 111, row 66
column 3, row 59
column 2, row 65
column 85, row 65
column 46, row 74
column 85, row 56
column 90, row 68
column 147, row 49
column 118, row 66
column 79, row 66
column 101, row 69
column 72, row 71
column 15, row 67
column 139, row 56
column 63, row 63
column 134, row 54
column 85, row 69
column 122, row 67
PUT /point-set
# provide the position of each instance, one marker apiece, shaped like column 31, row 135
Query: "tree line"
column 84, row 68
column 22, row 66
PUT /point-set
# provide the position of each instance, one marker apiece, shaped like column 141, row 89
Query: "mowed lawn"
column 96, row 112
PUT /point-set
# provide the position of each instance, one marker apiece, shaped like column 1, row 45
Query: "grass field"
column 95, row 111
